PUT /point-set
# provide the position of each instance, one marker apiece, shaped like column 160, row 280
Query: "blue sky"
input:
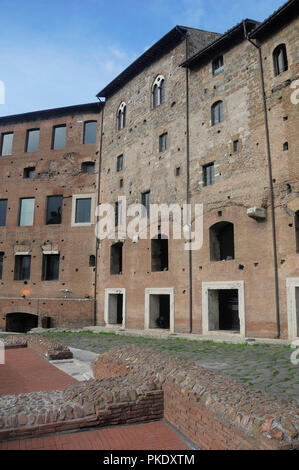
column 62, row 52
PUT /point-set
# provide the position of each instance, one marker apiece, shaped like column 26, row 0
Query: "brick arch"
column 31, row 309
column 20, row 322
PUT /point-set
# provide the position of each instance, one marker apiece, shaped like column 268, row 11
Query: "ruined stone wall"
column 57, row 172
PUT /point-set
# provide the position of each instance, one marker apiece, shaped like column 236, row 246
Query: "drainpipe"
column 188, row 186
column 98, row 203
column 266, row 121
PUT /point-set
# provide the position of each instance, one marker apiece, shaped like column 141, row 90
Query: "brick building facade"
column 199, row 118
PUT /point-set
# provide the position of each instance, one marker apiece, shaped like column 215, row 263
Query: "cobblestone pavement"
column 266, row 367
column 156, row 435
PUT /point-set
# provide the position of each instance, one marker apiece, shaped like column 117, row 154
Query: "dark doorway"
column 21, row 322
column 159, row 311
column 115, row 309
column 229, row 310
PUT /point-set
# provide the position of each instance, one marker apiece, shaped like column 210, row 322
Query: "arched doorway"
column 20, row 322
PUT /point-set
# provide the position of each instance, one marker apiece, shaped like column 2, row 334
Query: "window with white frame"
column 158, row 91
column 121, row 116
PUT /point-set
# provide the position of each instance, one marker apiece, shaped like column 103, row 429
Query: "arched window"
column 217, row 114
column 121, row 116
column 158, row 91
column 222, row 246
column 280, row 59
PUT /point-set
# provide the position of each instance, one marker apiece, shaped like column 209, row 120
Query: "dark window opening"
column 208, row 174
column 3, row 211
column 50, row 267
column 20, row 322
column 163, row 142
column 217, row 113
column 92, row 261
column 159, row 254
column 58, row 139
column 6, row 145
column 83, row 210
column 22, row 268
column 159, row 314
column 32, row 141
column 297, row 230
column 54, row 210
column 280, row 59
column 285, row 146
column 236, row 146
column 29, row 173
column 145, row 201
column 1, row 263
column 88, row 167
column 116, row 258
column 222, row 241
column 217, row 65
column 90, row 132
column 119, row 163
column 121, row 183
column 115, row 309
column 177, row 171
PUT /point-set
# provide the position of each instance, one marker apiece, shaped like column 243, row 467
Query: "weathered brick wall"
column 70, row 313
column 57, row 172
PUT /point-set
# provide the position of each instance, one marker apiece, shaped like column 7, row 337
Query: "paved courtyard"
column 266, row 367
column 25, row 371
column 156, row 435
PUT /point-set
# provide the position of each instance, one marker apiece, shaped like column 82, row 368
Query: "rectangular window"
column 159, row 254
column 6, row 145
column 120, row 163
column 118, row 213
column 54, row 210
column 163, row 142
column 3, row 210
column 145, row 201
column 218, row 65
column 22, row 267
column 116, row 258
column 87, row 167
column 32, row 140
column 26, row 212
column 208, row 174
column 90, row 132
column 58, row 139
column 83, row 210
column 29, row 173
column 1, row 264
column 50, row 267
column 236, row 146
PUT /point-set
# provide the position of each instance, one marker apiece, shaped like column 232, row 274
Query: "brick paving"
column 156, row 435
column 25, row 371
